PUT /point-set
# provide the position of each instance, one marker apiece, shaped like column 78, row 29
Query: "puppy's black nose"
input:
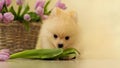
column 60, row 45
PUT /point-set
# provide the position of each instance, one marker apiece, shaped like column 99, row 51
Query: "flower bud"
column 8, row 2
column 60, row 5
column 40, row 3
column 40, row 11
column 20, row 2
column 27, row 17
column 1, row 4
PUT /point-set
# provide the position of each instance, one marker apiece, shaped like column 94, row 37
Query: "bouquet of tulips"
column 24, row 15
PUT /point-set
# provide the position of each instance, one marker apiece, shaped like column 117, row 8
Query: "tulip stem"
column 6, row 8
column 26, row 25
column 19, row 10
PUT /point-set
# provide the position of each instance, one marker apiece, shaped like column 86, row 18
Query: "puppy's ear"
column 73, row 15
column 56, row 12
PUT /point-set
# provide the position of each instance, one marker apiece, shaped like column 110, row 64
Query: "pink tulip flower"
column 60, row 5
column 1, row 4
column 4, row 54
column 8, row 17
column 4, row 57
column 8, row 2
column 20, row 2
column 40, row 3
column 40, row 11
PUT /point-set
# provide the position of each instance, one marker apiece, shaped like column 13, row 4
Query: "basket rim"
column 18, row 23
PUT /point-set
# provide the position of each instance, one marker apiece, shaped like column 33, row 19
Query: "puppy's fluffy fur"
column 60, row 28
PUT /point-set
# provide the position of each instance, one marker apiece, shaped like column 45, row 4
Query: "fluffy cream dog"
column 60, row 30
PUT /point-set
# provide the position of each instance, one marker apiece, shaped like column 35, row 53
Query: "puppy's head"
column 62, row 28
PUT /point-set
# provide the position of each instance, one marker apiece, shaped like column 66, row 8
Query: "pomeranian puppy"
column 60, row 30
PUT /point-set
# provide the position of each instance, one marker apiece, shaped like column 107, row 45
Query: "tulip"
column 3, row 1
column 8, row 17
column 4, row 57
column 1, row 4
column 40, row 11
column 40, row 3
column 60, row 5
column 1, row 17
column 8, row 2
column 27, row 17
column 20, row 2
column 4, row 54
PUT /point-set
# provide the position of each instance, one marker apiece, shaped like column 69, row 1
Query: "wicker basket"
column 13, row 36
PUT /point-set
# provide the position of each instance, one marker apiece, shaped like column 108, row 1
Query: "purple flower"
column 4, row 54
column 8, row 17
column 19, row 2
column 3, row 1
column 1, row 4
column 40, row 11
column 4, row 57
column 60, row 5
column 39, row 3
column 8, row 2
column 27, row 17
column 1, row 17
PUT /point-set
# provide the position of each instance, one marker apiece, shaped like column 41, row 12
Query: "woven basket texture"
column 15, row 37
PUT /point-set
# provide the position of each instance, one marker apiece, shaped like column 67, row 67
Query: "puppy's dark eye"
column 67, row 38
column 55, row 36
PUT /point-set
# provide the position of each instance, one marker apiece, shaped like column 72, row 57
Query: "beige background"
column 99, row 25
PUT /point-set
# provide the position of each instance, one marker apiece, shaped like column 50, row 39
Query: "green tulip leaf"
column 46, row 54
column 13, row 12
column 26, row 9
column 34, row 17
column 46, row 12
column 38, row 54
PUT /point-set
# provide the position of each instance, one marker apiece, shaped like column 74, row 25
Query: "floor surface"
column 26, row 63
